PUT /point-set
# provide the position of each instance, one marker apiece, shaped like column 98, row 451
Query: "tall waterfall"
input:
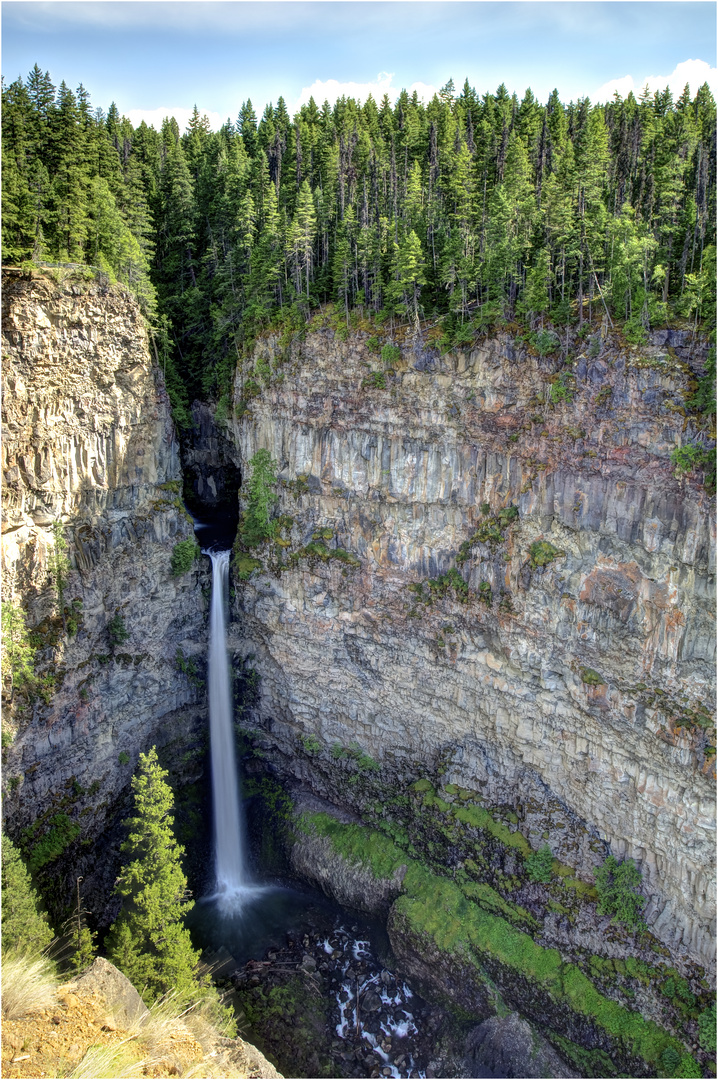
column 231, row 872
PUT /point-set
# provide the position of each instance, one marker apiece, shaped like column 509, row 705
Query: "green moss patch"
column 460, row 924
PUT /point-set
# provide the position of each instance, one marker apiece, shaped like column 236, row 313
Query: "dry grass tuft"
column 28, row 985
column 112, row 1062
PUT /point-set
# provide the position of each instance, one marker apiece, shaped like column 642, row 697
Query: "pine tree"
column 148, row 941
column 24, row 929
column 17, row 651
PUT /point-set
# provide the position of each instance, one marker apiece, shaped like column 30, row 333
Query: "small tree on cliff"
column 257, row 526
column 148, row 941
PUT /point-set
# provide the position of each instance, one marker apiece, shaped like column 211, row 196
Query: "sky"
column 163, row 57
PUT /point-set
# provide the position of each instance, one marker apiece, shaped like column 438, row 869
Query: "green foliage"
column 245, row 565
column 695, row 456
column 18, row 653
column 256, row 523
column 376, row 380
column 546, row 341
column 704, row 399
column 46, row 839
column 542, row 552
column 73, row 617
column 59, row 565
column 591, row 677
column 311, row 744
column 353, row 752
column 618, row 886
column 486, row 596
column 539, row 864
column 184, row 555
column 463, row 230
column 635, row 332
column 437, row 908
column 148, row 941
column 707, row 1029
column 188, row 666
column 117, row 632
column 123, row 758
column 562, row 389
column 437, row 588
column 391, row 354
column 24, row 928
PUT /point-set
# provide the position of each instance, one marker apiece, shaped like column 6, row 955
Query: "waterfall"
column 232, row 879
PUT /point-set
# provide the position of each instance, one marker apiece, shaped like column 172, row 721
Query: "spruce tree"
column 24, row 929
column 148, row 941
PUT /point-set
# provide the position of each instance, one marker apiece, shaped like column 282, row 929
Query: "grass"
column 28, row 984
column 111, row 1062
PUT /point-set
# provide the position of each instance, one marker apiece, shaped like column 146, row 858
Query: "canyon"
column 485, row 624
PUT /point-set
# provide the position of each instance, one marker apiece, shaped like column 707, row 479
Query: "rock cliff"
column 88, row 442
column 488, row 574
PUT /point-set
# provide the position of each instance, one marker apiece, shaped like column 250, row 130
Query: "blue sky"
column 163, row 57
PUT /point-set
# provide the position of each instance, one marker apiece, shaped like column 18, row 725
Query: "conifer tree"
column 24, row 929
column 18, row 653
column 148, row 941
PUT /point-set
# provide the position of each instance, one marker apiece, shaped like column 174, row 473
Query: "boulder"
column 120, row 995
column 510, row 1047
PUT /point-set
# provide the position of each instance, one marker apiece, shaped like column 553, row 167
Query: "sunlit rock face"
column 88, row 441
column 568, row 683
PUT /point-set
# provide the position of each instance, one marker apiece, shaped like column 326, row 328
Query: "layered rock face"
column 88, row 441
column 572, row 683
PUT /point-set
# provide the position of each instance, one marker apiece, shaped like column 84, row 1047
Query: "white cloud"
column 154, row 117
column 693, row 72
column 331, row 89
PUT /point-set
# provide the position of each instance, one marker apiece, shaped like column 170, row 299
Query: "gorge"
column 483, row 624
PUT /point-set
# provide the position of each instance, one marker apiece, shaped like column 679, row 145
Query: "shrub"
column 184, row 554
column 117, row 632
column 707, row 1029
column 391, row 354
column 376, row 381
column 538, row 865
column 562, row 388
column 123, row 758
column 591, row 677
column 634, row 332
column 542, row 552
column 311, row 744
column 618, row 887
column 692, row 456
column 546, row 342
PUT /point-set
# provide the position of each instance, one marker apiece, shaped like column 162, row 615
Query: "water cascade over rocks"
column 233, row 888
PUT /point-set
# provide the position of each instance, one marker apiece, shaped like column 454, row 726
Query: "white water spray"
column 233, row 888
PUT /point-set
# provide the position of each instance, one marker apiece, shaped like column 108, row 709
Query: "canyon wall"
column 88, row 441
column 572, row 683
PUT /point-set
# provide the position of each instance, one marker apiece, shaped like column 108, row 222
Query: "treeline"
column 475, row 209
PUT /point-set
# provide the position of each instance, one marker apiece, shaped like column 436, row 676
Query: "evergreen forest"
column 463, row 214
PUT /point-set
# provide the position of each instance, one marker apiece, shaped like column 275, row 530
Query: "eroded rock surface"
column 571, row 683
column 88, row 441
